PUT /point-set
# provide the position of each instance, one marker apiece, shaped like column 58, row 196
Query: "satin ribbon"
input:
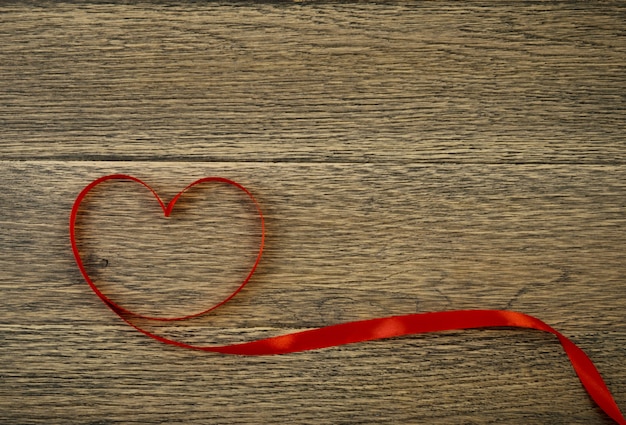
column 350, row 332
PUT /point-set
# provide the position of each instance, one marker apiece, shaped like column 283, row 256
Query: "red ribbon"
column 351, row 332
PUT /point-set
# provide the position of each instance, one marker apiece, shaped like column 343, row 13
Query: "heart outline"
column 167, row 211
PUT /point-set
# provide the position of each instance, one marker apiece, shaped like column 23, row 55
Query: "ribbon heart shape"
column 350, row 332
column 167, row 211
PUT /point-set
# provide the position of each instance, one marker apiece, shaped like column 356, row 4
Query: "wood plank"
column 409, row 157
column 345, row 242
column 464, row 82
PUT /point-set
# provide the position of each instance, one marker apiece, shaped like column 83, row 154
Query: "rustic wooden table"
column 409, row 158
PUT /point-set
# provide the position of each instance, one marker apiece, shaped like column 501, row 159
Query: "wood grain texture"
column 408, row 157
column 528, row 82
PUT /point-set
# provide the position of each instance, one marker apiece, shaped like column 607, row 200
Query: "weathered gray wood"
column 408, row 157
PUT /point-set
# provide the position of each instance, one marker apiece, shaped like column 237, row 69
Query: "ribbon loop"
column 350, row 332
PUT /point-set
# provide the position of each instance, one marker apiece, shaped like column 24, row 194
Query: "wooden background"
column 409, row 157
